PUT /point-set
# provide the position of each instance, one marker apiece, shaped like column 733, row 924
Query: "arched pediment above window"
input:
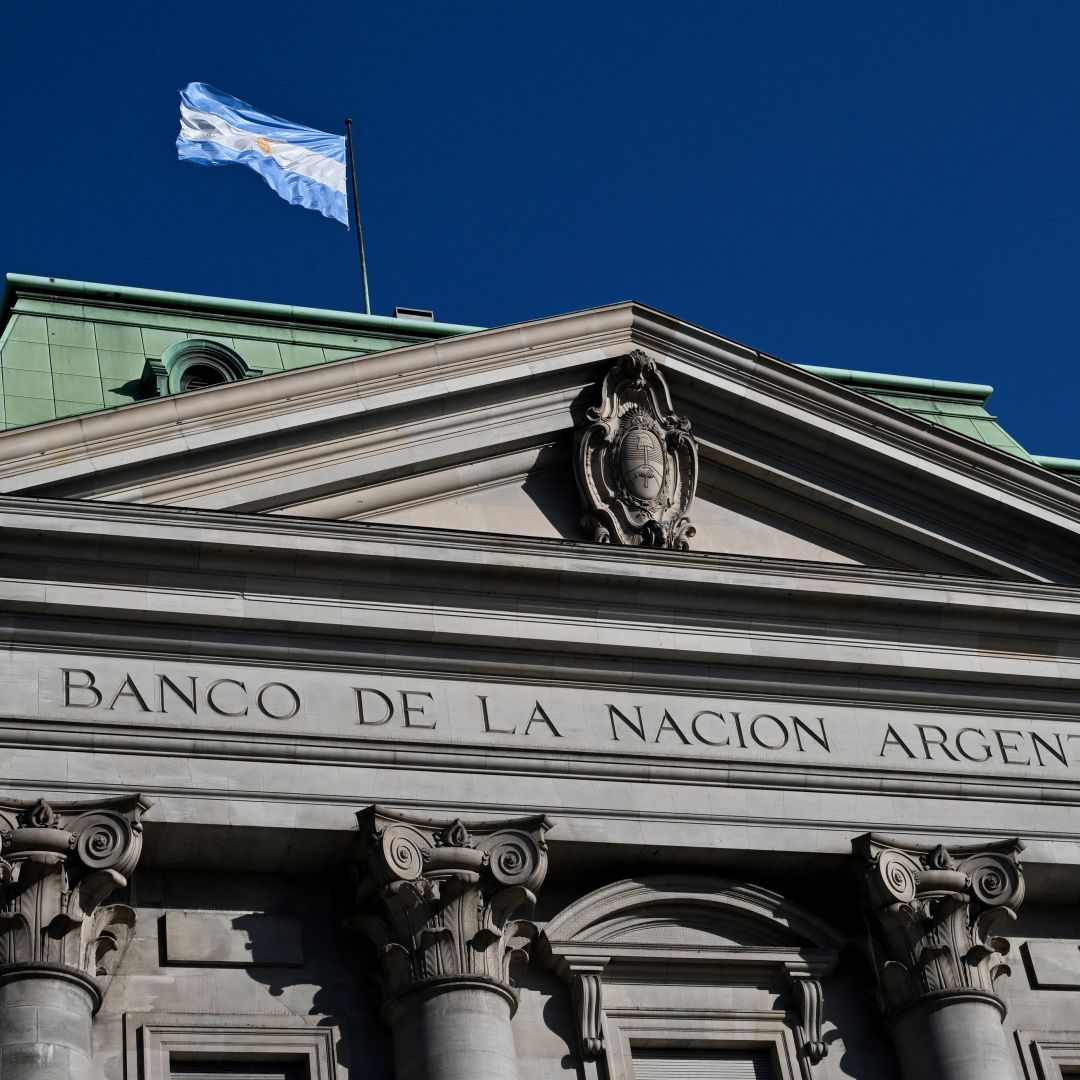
column 673, row 915
column 690, row 930
column 194, row 364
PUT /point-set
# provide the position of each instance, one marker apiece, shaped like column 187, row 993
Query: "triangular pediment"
column 477, row 433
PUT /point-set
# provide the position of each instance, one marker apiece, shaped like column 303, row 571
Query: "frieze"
column 366, row 706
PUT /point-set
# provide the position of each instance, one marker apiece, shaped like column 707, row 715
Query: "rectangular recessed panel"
column 702, row 1065
column 1055, row 965
column 240, row 939
column 240, row 1070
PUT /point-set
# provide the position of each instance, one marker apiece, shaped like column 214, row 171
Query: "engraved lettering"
column 188, row 699
column 784, row 736
column 892, row 739
column 88, row 687
column 128, row 689
column 697, row 731
column 363, row 718
column 217, row 708
column 927, row 742
column 801, row 728
column 408, row 708
column 1037, row 741
column 487, row 720
column 960, row 745
column 1006, row 747
column 738, row 730
column 638, row 729
column 541, row 717
column 667, row 722
column 291, row 710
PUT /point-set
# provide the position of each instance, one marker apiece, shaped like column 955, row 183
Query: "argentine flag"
column 304, row 166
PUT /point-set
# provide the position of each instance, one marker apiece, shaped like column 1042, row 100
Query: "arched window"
column 193, row 365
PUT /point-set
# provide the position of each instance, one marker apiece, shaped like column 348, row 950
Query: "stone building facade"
column 591, row 697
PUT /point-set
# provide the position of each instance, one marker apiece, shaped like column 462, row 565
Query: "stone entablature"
column 440, row 900
column 934, row 913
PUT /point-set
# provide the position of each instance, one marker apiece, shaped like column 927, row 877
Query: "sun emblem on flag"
column 263, row 143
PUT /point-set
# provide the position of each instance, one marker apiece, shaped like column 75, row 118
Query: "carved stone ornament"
column 636, row 462
column 932, row 917
column 809, row 1033
column 58, row 866
column 440, row 899
column 587, row 996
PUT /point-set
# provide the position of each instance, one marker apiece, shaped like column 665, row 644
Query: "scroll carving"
column 440, row 900
column 587, row 995
column 58, row 867
column 808, row 1029
column 934, row 913
column 636, row 462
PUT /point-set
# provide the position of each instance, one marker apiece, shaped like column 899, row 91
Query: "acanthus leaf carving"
column 60, row 864
column 636, row 461
column 442, row 900
column 932, row 913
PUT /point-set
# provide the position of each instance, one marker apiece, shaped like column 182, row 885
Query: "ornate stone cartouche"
column 933, row 913
column 635, row 461
column 58, row 866
column 440, row 899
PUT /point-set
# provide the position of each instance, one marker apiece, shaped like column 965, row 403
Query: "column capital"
column 933, row 912
column 440, row 898
column 59, row 863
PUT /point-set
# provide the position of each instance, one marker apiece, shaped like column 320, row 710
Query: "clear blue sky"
column 891, row 188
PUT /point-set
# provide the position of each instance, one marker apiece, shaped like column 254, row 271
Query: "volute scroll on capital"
column 440, row 899
column 58, row 866
column 635, row 461
column 934, row 911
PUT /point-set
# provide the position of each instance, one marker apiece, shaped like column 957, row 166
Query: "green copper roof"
column 958, row 406
column 69, row 347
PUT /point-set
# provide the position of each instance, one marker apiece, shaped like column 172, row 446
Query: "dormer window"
column 193, row 365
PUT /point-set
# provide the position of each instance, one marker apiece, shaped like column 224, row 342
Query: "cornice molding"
column 84, row 449
column 67, row 524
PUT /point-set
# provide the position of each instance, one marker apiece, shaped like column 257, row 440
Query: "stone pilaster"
column 441, row 901
column 933, row 916
column 58, row 935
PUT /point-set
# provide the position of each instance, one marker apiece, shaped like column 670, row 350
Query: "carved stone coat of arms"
column 635, row 461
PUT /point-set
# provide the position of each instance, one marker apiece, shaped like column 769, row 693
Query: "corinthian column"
column 932, row 918
column 58, row 866
column 440, row 901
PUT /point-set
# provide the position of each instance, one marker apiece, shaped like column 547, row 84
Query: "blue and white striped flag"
column 304, row 166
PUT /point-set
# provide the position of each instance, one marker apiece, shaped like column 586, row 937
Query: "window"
column 163, row 1046
column 1051, row 1055
column 702, row 1065
column 199, row 375
column 222, row 1070
column 193, row 365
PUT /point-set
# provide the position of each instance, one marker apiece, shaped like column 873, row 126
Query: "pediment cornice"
column 457, row 411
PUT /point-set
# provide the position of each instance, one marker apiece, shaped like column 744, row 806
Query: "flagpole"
column 356, row 218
